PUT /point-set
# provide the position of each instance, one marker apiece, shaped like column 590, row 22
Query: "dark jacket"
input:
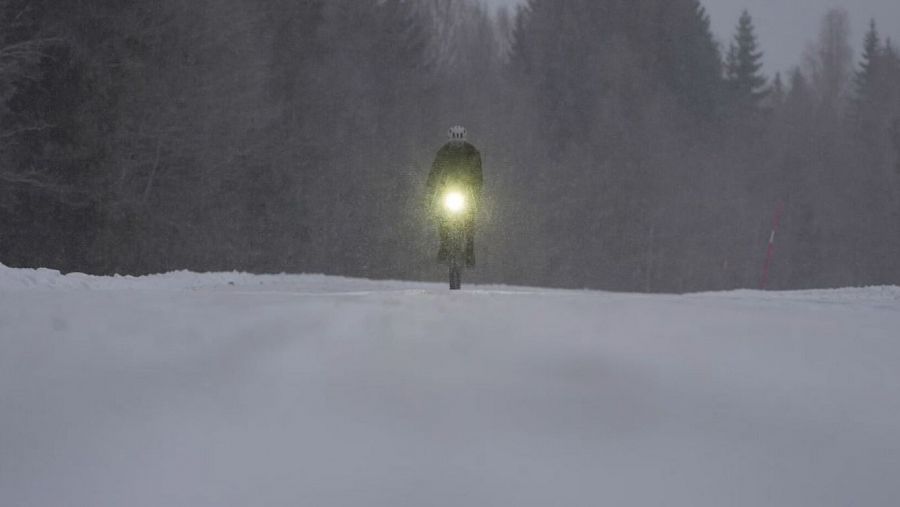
column 456, row 164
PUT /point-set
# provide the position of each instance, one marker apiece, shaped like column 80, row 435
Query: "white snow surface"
column 239, row 390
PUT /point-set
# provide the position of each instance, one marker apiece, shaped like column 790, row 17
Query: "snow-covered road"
column 238, row 390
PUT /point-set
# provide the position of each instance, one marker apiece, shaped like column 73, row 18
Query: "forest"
column 625, row 147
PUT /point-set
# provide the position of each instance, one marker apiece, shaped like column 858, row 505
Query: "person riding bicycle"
column 457, row 164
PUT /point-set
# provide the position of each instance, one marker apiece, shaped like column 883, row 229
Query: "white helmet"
column 457, row 133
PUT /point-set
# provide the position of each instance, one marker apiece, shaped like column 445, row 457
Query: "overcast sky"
column 785, row 27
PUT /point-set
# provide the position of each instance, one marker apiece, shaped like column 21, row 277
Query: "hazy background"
column 624, row 146
column 787, row 27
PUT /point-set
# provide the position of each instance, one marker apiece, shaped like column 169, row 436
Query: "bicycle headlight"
column 454, row 202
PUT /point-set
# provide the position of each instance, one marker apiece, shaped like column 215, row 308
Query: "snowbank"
column 17, row 279
column 11, row 278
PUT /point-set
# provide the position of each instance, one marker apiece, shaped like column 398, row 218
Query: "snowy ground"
column 235, row 390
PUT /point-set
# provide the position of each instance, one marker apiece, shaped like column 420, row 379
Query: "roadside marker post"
column 770, row 253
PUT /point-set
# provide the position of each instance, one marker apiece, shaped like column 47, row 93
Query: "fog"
column 638, row 146
column 786, row 28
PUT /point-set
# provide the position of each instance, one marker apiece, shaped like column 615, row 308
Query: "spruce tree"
column 744, row 64
column 895, row 138
column 892, row 73
column 891, row 61
column 868, row 67
column 692, row 64
column 777, row 93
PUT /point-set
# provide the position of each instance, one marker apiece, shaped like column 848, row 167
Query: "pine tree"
column 743, row 65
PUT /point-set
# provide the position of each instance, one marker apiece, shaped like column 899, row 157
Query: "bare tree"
column 830, row 61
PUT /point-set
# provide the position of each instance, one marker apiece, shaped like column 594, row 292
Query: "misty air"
column 449, row 253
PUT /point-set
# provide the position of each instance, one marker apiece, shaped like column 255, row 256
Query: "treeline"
column 624, row 147
column 662, row 158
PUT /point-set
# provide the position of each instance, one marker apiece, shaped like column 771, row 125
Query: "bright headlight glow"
column 455, row 202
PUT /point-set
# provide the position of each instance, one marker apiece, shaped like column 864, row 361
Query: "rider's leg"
column 443, row 251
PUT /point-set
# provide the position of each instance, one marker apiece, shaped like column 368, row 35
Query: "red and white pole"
column 770, row 253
